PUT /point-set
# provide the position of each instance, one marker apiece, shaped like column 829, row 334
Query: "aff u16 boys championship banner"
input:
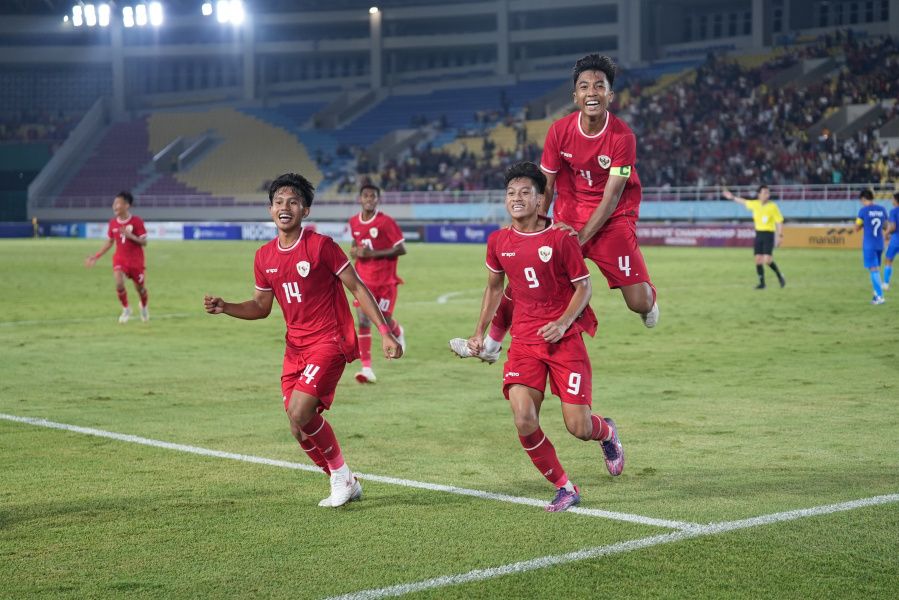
column 695, row 235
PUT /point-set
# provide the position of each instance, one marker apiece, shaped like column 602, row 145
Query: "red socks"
column 395, row 329
column 319, row 432
column 144, row 296
column 543, row 455
column 601, row 430
column 365, row 345
column 123, row 297
column 316, row 456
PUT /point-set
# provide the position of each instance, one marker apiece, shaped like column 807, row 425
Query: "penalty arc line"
column 619, row 548
column 434, row 487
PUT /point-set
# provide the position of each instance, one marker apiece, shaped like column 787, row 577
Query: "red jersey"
column 541, row 267
column 304, row 279
column 128, row 253
column 378, row 233
column 582, row 163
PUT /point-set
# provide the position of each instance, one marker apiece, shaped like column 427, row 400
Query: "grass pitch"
column 741, row 403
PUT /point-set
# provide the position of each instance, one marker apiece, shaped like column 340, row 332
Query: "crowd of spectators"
column 725, row 126
column 36, row 126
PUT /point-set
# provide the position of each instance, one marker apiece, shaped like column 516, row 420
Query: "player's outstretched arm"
column 493, row 295
column 553, row 331
column 351, row 281
column 728, row 195
column 610, row 197
column 91, row 260
column 258, row 308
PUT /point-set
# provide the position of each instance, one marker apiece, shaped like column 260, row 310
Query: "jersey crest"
column 303, row 268
column 545, row 253
column 373, row 232
column 604, row 161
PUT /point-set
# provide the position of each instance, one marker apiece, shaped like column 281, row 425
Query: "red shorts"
column 314, row 370
column 615, row 251
column 566, row 363
column 385, row 296
column 132, row 272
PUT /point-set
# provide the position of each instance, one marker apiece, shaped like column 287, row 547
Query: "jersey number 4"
column 310, row 372
column 624, row 264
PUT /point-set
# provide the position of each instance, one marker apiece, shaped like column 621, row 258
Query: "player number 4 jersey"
column 582, row 164
column 541, row 268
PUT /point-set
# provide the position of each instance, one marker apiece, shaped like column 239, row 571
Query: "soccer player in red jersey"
column 551, row 291
column 303, row 271
column 589, row 158
column 377, row 244
column 129, row 235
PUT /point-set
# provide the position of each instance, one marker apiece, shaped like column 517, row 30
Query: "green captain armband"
column 620, row 171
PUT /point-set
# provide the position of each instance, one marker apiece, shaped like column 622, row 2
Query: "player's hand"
column 353, row 251
column 475, row 344
column 391, row 346
column 363, row 252
column 213, row 305
column 727, row 194
column 565, row 227
column 90, row 261
column 552, row 332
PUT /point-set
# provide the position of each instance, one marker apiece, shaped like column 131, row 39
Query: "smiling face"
column 593, row 93
column 120, row 207
column 287, row 209
column 522, row 199
column 368, row 200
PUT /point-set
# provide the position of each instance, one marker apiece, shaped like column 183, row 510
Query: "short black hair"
column 370, row 186
column 529, row 170
column 896, row 196
column 866, row 194
column 595, row 62
column 296, row 181
column 764, row 186
column 126, row 196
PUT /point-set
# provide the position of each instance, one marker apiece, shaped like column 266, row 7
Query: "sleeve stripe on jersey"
column 401, row 240
column 581, row 277
column 548, row 170
column 345, row 265
column 494, row 270
column 261, row 289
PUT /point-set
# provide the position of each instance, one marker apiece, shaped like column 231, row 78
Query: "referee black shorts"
column 764, row 242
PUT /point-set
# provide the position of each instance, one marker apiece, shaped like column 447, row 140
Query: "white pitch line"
column 619, row 548
column 444, row 298
column 90, row 320
column 436, row 487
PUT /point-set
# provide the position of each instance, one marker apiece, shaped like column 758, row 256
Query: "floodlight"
column 373, row 10
column 90, row 15
column 206, row 9
column 155, row 14
column 140, row 15
column 77, row 15
column 128, row 16
column 237, row 12
column 103, row 15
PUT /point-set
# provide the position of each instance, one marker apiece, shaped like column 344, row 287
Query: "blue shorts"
column 871, row 256
column 893, row 248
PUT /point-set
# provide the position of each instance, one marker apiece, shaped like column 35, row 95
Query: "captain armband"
column 620, row 171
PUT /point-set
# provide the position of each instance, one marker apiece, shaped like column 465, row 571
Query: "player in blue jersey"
column 893, row 248
column 872, row 219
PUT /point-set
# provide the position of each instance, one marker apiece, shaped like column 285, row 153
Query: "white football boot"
column 125, row 316
column 459, row 346
column 401, row 338
column 344, row 488
column 366, row 375
column 144, row 314
column 651, row 318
